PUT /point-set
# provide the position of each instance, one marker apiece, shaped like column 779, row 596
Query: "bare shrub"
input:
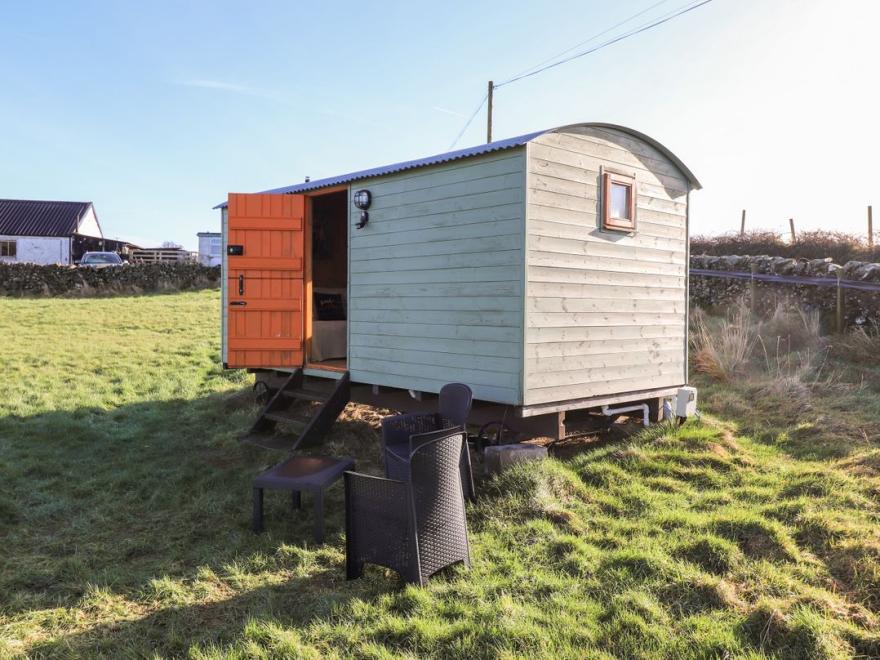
column 753, row 242
column 818, row 244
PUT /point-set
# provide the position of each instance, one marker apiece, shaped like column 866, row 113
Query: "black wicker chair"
column 454, row 407
column 414, row 527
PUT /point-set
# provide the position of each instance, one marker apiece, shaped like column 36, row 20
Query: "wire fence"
column 860, row 307
column 831, row 281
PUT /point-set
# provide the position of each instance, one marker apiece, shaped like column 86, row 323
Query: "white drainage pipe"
column 639, row 406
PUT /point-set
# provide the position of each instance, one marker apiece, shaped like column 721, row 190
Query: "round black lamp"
column 362, row 199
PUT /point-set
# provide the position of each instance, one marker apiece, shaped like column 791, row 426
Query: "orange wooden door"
column 265, row 247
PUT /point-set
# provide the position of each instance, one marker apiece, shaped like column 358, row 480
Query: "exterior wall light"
column 362, row 200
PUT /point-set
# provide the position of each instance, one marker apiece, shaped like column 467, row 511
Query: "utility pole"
column 742, row 224
column 489, row 113
column 870, row 227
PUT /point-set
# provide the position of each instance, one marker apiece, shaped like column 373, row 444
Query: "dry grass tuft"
column 794, row 352
column 793, row 328
column 860, row 346
column 722, row 347
column 785, row 353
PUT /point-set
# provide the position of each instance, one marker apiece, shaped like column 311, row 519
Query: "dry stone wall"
column 859, row 307
column 35, row 280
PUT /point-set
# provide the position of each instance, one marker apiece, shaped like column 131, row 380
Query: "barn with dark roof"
column 48, row 232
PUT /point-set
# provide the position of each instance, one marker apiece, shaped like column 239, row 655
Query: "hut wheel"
column 495, row 433
column 262, row 393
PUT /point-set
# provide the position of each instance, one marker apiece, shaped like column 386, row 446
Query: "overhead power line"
column 593, row 38
column 605, row 44
column 468, row 122
column 553, row 62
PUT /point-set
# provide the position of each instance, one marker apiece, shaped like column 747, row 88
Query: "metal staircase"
column 305, row 406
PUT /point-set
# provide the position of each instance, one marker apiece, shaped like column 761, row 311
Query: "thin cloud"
column 232, row 88
column 278, row 97
column 447, row 111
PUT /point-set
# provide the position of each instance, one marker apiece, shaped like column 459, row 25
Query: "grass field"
column 125, row 504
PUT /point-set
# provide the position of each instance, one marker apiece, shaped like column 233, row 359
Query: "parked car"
column 100, row 260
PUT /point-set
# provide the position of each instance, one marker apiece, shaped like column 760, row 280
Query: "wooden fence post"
column 841, row 309
column 742, row 224
column 791, row 224
column 870, row 227
column 753, row 289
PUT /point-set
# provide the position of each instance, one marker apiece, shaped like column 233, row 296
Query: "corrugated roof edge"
column 478, row 150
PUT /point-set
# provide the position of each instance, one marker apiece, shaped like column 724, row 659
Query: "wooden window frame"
column 10, row 254
column 610, row 223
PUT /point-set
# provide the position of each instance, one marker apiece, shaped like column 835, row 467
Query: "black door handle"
column 238, row 303
column 241, row 285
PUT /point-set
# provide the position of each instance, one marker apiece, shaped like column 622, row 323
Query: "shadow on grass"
column 174, row 630
column 148, row 505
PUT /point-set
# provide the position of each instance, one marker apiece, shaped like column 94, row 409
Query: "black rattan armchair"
column 414, row 527
column 454, row 407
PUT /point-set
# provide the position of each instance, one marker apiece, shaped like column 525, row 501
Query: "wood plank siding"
column 605, row 311
column 436, row 278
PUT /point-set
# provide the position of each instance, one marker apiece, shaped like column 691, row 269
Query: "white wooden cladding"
column 436, row 279
column 606, row 312
column 493, row 271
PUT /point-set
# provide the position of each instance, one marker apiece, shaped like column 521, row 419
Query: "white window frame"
column 4, row 243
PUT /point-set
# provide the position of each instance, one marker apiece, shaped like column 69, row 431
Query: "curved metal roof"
column 481, row 149
column 644, row 138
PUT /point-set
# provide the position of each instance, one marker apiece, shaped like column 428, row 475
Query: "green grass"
column 125, row 504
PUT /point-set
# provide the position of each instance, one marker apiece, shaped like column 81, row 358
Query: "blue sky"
column 156, row 110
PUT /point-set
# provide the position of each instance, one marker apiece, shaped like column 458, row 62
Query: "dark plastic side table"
column 312, row 473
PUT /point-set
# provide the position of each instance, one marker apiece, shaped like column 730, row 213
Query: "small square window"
column 619, row 202
column 620, row 194
column 7, row 248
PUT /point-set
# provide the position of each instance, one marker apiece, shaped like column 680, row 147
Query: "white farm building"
column 44, row 232
column 210, row 248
